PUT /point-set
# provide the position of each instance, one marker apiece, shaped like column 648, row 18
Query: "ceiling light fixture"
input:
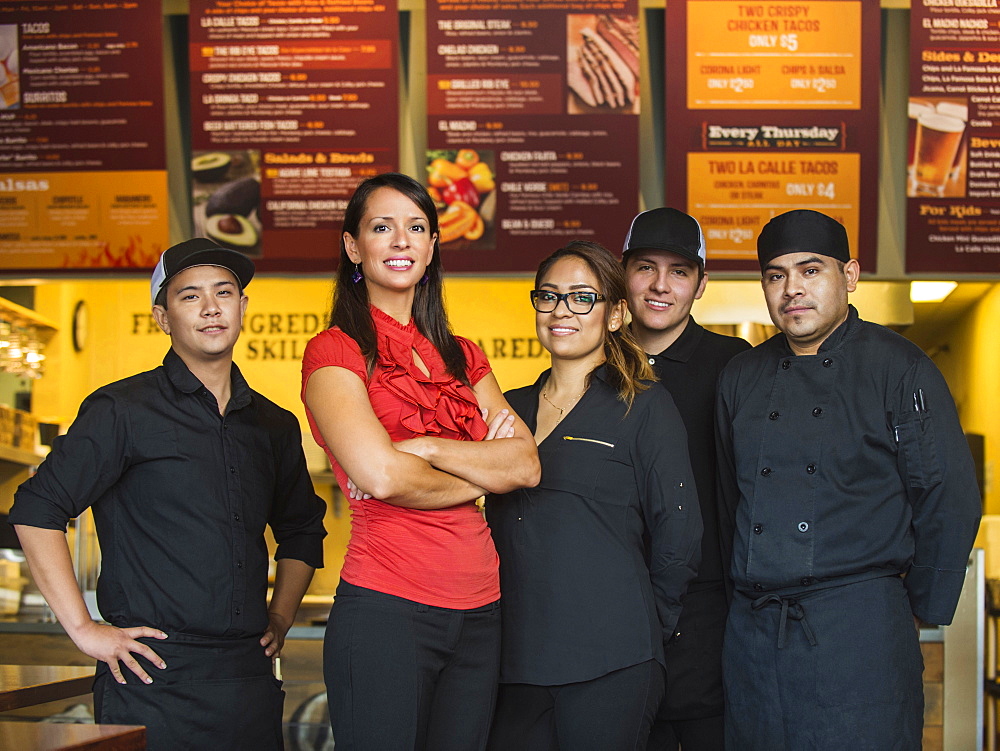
column 931, row 291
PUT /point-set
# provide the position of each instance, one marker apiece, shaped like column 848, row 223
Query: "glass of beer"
column 938, row 138
column 915, row 109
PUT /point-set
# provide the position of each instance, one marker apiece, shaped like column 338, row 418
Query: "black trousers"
column 217, row 694
column 403, row 676
column 691, row 714
column 610, row 713
column 827, row 670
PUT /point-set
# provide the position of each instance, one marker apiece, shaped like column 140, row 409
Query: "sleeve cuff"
column 934, row 593
column 305, row 548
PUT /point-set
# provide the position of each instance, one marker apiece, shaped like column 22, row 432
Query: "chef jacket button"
column 786, row 365
column 652, row 361
column 239, row 564
column 817, row 412
column 765, row 472
column 236, row 517
column 803, row 526
column 758, row 587
column 233, row 470
column 806, row 581
column 238, row 611
column 773, row 416
column 758, row 529
column 811, row 469
column 827, row 362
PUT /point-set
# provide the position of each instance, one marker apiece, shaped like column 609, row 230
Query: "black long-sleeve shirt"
column 579, row 599
column 181, row 497
column 846, row 465
column 689, row 369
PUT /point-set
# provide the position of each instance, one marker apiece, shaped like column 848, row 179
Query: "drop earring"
column 356, row 276
column 425, row 277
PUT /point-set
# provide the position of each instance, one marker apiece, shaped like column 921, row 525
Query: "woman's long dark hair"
column 627, row 364
column 350, row 300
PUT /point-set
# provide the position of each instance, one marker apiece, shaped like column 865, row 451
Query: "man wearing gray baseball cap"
column 848, row 484
column 184, row 466
column 664, row 259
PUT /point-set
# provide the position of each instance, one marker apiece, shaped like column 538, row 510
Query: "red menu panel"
column 83, row 181
column 777, row 110
column 532, row 128
column 953, row 155
column 292, row 105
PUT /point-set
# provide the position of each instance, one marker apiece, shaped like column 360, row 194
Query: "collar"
column 187, row 382
column 386, row 325
column 837, row 337
column 684, row 346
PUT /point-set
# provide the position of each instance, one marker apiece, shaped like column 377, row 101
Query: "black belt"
column 790, row 608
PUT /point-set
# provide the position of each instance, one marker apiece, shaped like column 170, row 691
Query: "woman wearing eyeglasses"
column 595, row 559
column 411, row 649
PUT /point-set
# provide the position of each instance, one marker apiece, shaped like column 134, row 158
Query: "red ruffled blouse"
column 444, row 557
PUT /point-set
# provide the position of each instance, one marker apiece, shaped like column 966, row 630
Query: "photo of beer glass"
column 955, row 186
column 915, row 109
column 937, row 141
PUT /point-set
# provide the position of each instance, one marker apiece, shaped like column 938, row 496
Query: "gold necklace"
column 562, row 410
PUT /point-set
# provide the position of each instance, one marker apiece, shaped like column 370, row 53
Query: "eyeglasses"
column 581, row 303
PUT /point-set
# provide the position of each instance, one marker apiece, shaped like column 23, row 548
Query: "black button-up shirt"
column 579, row 599
column 864, row 471
column 181, row 496
column 689, row 369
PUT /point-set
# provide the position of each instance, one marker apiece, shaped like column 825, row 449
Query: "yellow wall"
column 283, row 315
column 969, row 357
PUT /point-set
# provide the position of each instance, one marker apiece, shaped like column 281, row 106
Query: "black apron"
column 214, row 695
column 827, row 669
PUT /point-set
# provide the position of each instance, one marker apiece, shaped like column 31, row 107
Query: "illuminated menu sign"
column 777, row 110
column 292, row 105
column 83, row 182
column 532, row 127
column 953, row 154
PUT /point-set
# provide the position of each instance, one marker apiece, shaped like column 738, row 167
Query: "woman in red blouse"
column 401, row 407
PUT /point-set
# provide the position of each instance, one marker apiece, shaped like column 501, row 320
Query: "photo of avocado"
column 226, row 197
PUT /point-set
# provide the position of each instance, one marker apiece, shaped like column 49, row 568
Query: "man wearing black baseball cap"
column 664, row 259
column 848, row 481
column 184, row 466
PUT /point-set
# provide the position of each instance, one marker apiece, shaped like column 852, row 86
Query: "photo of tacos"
column 602, row 64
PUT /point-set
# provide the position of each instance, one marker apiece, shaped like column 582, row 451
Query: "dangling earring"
column 356, row 277
column 425, row 277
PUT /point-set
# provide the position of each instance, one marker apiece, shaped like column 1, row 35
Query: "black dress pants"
column 403, row 676
column 611, row 713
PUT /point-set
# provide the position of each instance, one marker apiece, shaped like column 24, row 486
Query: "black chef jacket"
column 689, row 369
column 846, row 465
column 181, row 496
column 579, row 600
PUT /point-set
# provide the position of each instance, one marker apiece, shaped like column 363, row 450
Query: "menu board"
column 778, row 110
column 83, row 182
column 292, row 105
column 533, row 127
column 953, row 155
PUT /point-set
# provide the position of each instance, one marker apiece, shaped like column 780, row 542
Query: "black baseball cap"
column 198, row 252
column 802, row 231
column 667, row 229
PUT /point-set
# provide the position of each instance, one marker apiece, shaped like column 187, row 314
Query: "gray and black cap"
column 667, row 229
column 198, row 252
